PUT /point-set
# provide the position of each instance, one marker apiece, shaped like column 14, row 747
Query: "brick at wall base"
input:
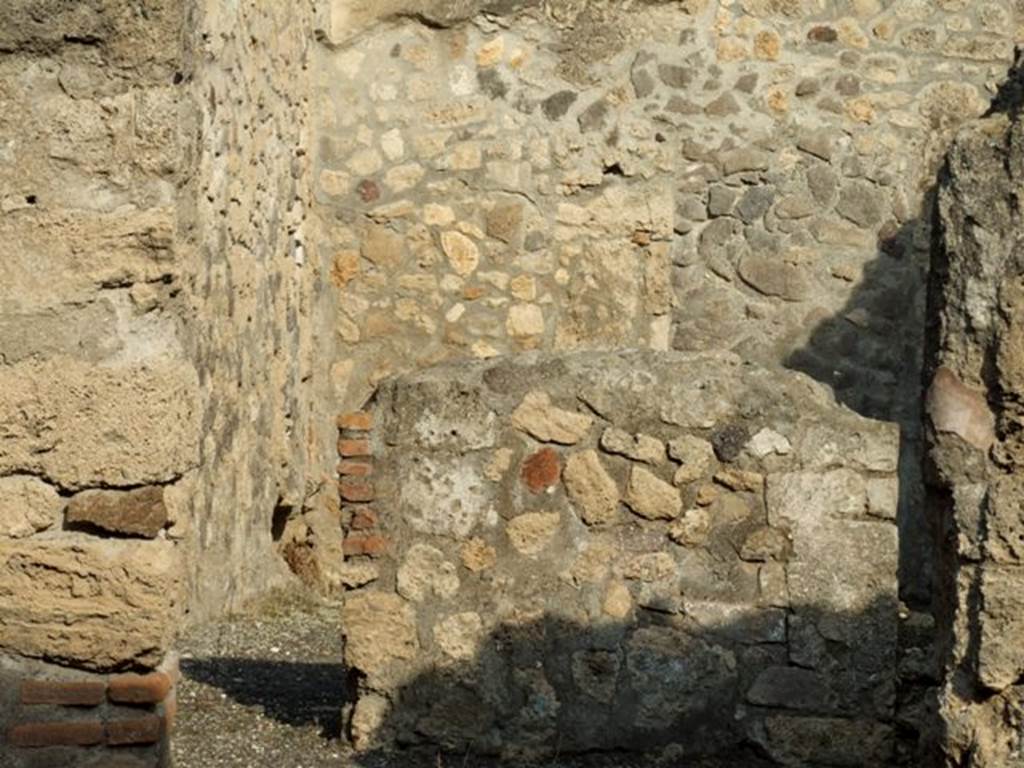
column 82, row 719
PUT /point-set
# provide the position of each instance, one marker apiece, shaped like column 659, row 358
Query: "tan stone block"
column 546, row 422
column 97, row 604
column 531, row 532
column 651, row 497
column 84, row 425
column 591, row 488
column 27, row 505
column 380, row 628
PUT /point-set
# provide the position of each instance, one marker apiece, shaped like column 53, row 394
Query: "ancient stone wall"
column 974, row 422
column 629, row 551
column 98, row 398
column 158, row 383
column 748, row 176
column 253, row 288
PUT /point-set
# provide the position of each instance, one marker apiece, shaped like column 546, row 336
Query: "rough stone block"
column 139, row 512
column 27, row 506
column 82, row 425
column 98, row 604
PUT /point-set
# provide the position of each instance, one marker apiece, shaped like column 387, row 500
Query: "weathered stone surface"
column 651, row 497
column 379, row 630
column 139, row 512
column 694, row 455
column 690, row 607
column 116, row 426
column 591, row 488
column 640, row 447
column 540, row 418
column 791, row 688
column 94, row 604
column 774, row 277
column 541, row 470
column 27, row 506
column 425, row 572
column 957, row 409
column 459, row 635
column 828, row 741
column 462, row 253
column 444, row 497
column 532, row 532
column 692, row 529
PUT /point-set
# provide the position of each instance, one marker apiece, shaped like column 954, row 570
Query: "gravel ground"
column 265, row 690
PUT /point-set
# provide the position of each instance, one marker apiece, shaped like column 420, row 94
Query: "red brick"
column 71, row 734
column 355, row 469
column 541, row 470
column 352, row 490
column 139, row 689
column 146, row 729
column 170, row 710
column 82, row 693
column 350, row 448
column 363, row 519
column 357, row 421
column 366, row 544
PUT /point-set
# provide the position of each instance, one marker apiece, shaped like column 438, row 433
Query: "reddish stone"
column 368, row 190
column 170, row 710
column 822, row 34
column 354, row 491
column 139, row 512
column 541, row 470
column 358, row 421
column 366, row 544
column 83, row 693
column 352, row 448
column 363, row 520
column 139, row 689
column 147, row 729
column 355, row 469
column 68, row 734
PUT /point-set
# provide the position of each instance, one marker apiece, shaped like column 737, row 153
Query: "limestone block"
column 98, row 604
column 531, row 533
column 539, row 417
column 380, row 629
column 27, row 505
column 426, row 572
column 1000, row 659
column 651, row 497
column 591, row 488
column 81, row 425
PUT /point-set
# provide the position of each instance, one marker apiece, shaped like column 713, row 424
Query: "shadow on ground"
column 292, row 693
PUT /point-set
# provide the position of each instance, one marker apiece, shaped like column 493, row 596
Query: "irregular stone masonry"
column 750, row 176
column 90, row 721
column 604, row 551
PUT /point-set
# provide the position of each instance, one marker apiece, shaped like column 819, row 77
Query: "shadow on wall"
column 553, row 689
column 617, row 693
column 871, row 354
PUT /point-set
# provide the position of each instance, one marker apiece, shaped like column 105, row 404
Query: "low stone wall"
column 627, row 551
